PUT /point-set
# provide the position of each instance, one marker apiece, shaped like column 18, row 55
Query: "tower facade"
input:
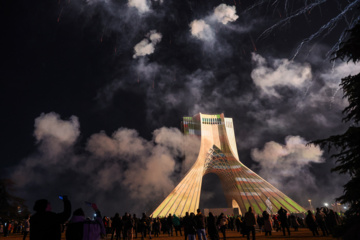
column 218, row 154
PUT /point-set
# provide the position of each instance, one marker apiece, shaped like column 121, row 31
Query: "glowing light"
column 326, row 204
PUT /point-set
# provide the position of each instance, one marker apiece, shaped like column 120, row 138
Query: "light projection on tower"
column 218, row 154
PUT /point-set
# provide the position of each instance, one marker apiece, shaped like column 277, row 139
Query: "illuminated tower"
column 218, row 154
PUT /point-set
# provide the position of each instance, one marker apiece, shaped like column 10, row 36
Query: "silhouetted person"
column 238, row 223
column 124, row 220
column 186, row 221
column 222, row 221
column 231, row 223
column 170, row 225
column 320, row 219
column 192, row 227
column 156, row 227
column 26, row 227
column 136, row 225
column 212, row 227
column 107, row 224
column 332, row 221
column 267, row 223
column 284, row 220
column 276, row 223
column 177, row 225
column 294, row 223
column 116, row 227
column 128, row 226
column 260, row 222
column 250, row 222
column 6, row 228
column 145, row 226
column 46, row 225
column 80, row 228
column 311, row 223
column 200, row 225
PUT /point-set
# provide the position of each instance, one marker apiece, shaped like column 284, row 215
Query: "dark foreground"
column 303, row 233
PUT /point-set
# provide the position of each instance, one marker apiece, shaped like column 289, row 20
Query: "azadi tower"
column 218, row 154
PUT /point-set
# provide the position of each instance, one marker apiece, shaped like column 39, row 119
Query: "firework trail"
column 286, row 7
column 333, row 96
column 287, row 19
column 322, row 31
column 260, row 3
column 329, row 27
column 342, row 37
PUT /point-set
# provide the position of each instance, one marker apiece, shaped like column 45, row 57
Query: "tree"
column 347, row 145
column 11, row 207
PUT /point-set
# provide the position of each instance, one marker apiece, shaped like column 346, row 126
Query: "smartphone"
column 61, row 197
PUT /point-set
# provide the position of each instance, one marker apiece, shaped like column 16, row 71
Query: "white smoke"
column 145, row 170
column 284, row 165
column 51, row 126
column 201, row 30
column 340, row 71
column 141, row 5
column 123, row 143
column 330, row 91
column 147, row 45
column 54, row 135
column 224, row 13
column 268, row 75
column 294, row 153
column 188, row 146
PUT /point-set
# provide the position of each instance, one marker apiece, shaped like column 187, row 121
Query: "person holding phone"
column 44, row 224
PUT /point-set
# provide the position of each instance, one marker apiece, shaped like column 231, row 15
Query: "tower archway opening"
column 212, row 193
column 235, row 205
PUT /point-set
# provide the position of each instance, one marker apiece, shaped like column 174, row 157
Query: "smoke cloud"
column 278, row 73
column 50, row 128
column 147, row 45
column 284, row 166
column 224, row 13
column 141, row 5
column 146, row 170
column 288, row 160
column 201, row 30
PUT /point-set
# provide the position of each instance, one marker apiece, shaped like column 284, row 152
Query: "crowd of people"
column 45, row 224
column 8, row 227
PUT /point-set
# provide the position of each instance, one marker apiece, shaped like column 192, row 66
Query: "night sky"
column 93, row 93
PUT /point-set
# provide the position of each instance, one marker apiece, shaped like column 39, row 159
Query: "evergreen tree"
column 347, row 145
column 11, row 207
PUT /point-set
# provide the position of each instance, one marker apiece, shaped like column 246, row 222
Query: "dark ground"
column 303, row 233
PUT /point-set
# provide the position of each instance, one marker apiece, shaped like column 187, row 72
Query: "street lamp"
column 310, row 204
